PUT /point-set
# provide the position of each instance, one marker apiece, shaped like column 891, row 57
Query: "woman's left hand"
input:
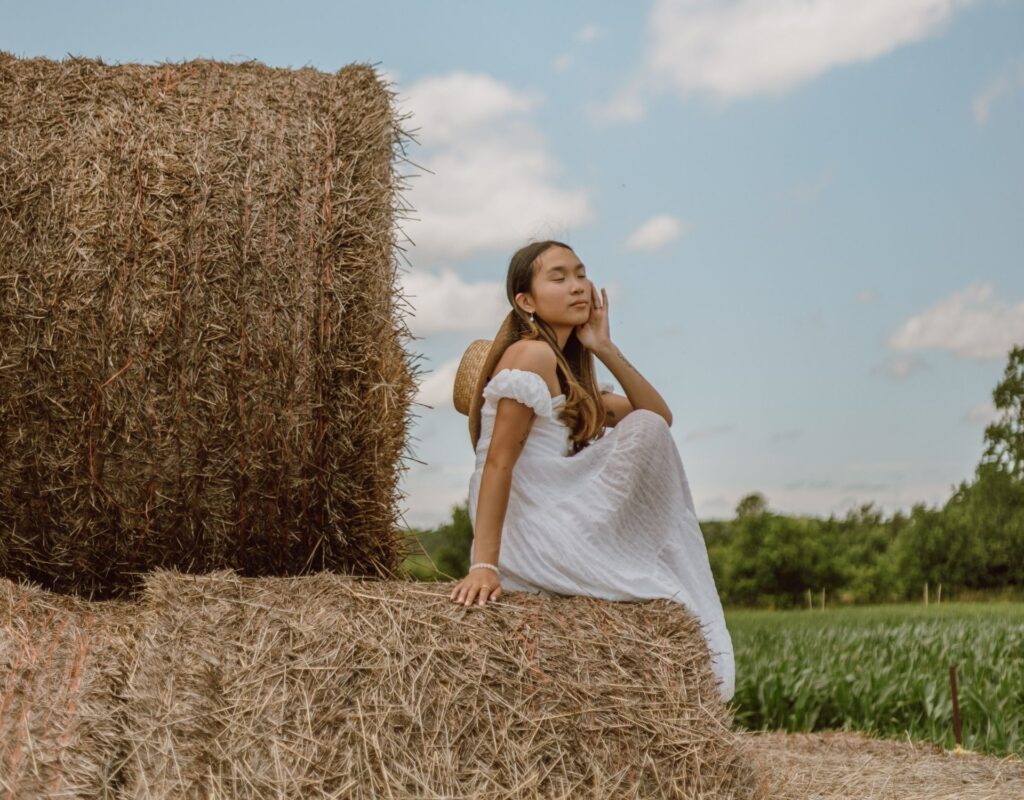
column 594, row 334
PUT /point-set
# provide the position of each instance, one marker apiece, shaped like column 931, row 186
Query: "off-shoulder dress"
column 616, row 520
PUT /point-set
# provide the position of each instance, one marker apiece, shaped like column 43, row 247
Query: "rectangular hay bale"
column 202, row 362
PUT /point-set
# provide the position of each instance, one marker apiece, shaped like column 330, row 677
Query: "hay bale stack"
column 327, row 685
column 201, row 362
column 62, row 681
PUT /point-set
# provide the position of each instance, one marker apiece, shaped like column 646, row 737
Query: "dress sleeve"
column 527, row 387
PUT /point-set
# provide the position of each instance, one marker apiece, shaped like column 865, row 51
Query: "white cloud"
column 1000, row 86
column 492, row 182
column 446, row 302
column 971, row 323
column 562, row 62
column 626, row 106
column 867, row 296
column 438, row 385
column 435, row 488
column 588, row 33
column 455, row 106
column 730, row 50
column 656, row 232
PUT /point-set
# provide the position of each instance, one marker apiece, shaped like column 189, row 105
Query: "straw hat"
column 476, row 365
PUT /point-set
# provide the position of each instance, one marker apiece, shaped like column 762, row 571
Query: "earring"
column 533, row 318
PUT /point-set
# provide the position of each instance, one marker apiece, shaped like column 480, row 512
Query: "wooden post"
column 938, row 595
column 810, row 605
column 822, row 598
column 956, row 706
column 926, row 592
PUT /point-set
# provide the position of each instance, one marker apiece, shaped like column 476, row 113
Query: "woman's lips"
column 581, row 303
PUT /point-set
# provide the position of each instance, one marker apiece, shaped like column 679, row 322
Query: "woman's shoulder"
column 527, row 352
column 531, row 355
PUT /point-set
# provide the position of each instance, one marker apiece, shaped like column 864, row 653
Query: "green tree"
column 859, row 544
column 939, row 545
column 446, row 549
column 777, row 558
column 1004, row 438
column 992, row 508
column 754, row 503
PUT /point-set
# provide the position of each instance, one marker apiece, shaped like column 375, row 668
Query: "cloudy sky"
column 808, row 214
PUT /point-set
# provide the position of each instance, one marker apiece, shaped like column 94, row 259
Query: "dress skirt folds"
column 616, row 520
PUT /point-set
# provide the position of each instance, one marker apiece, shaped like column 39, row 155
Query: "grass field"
column 885, row 670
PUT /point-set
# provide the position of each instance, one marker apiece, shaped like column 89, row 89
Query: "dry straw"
column 62, row 680
column 330, row 686
column 848, row 765
column 201, row 357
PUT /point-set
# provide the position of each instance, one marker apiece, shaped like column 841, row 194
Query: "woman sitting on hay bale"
column 585, row 511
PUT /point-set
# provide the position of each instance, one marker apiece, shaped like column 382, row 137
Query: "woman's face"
column 561, row 289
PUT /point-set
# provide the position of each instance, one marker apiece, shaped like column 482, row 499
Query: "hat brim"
column 505, row 336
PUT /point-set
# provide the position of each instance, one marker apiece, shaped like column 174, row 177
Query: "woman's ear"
column 525, row 302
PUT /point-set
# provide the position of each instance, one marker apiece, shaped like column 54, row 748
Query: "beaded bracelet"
column 486, row 566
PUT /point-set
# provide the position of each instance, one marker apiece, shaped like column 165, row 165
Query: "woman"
column 577, row 490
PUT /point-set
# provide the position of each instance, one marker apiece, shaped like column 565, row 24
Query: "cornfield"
column 885, row 671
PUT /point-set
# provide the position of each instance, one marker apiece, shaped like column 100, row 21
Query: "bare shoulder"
column 531, row 355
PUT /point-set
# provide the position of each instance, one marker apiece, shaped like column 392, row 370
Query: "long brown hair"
column 582, row 411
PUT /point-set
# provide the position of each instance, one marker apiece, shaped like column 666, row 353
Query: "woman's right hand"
column 481, row 585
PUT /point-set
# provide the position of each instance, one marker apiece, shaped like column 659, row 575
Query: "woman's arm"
column 615, row 408
column 638, row 389
column 595, row 335
column 512, row 423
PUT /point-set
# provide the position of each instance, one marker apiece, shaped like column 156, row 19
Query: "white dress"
column 614, row 521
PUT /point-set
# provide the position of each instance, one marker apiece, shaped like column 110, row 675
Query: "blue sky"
column 809, row 216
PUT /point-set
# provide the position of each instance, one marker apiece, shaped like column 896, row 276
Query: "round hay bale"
column 330, row 686
column 202, row 362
